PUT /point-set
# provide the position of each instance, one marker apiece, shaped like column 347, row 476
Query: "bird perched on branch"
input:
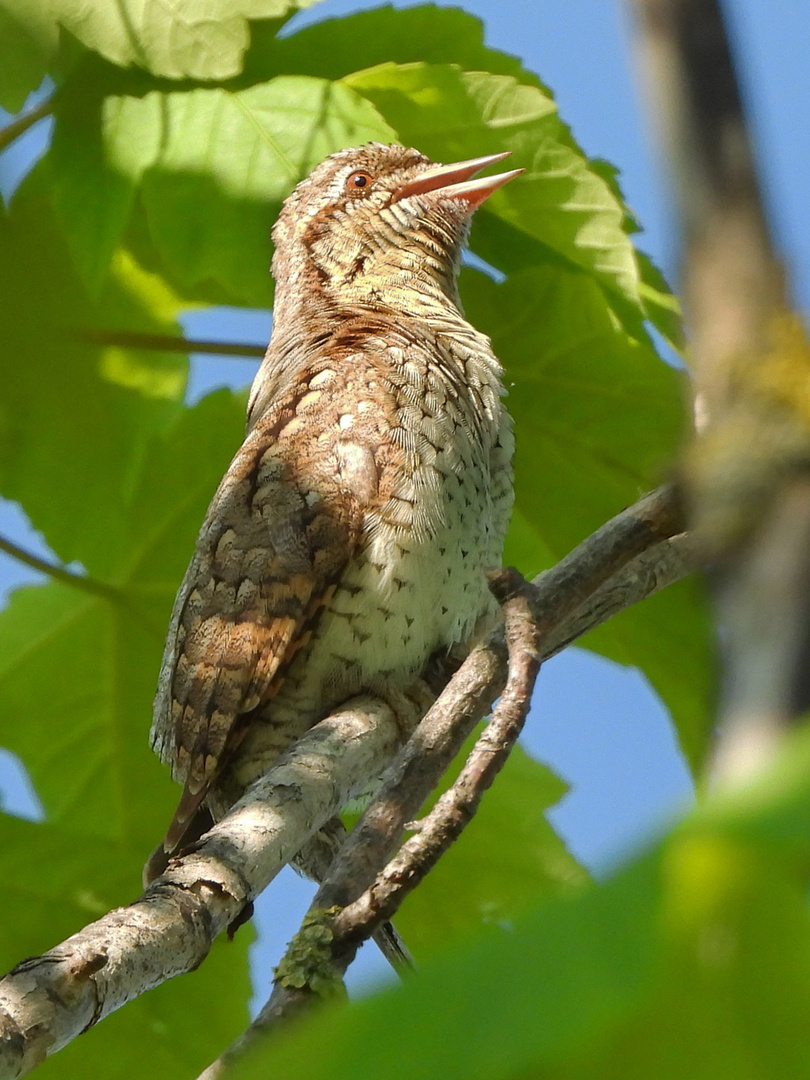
column 349, row 539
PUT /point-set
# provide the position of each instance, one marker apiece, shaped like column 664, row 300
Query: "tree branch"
column 82, row 582
column 48, row 1000
column 747, row 475
column 457, row 806
column 599, row 574
column 20, row 124
column 132, row 339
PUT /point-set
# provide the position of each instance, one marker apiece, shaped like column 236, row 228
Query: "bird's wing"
column 277, row 538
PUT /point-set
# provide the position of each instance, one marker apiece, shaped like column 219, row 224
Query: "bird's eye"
column 359, row 183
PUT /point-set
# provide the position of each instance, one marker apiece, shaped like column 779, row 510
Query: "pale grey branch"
column 632, row 556
column 48, row 1000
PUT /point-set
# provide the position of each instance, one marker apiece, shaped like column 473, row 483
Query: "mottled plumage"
column 349, row 539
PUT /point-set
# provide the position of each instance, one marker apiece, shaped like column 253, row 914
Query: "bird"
column 348, row 542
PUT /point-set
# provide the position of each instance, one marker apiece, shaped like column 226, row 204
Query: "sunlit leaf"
column 333, row 48
column 75, row 431
column 100, row 654
column 28, row 39
column 561, row 201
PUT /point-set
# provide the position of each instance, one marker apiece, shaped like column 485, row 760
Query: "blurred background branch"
column 746, row 475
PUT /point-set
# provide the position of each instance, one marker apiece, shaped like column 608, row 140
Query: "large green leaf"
column 184, row 39
column 598, row 416
column 507, row 857
column 692, row 964
column 334, row 48
column 28, row 39
column 83, row 667
column 562, row 200
column 76, row 417
column 215, row 165
column 109, row 465
column 104, row 144
column 56, row 881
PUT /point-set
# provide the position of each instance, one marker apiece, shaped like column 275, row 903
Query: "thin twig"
column 20, row 124
column 48, row 1000
column 457, row 806
column 555, row 599
column 132, row 339
column 82, row 582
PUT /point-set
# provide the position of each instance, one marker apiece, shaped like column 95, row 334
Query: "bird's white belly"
column 402, row 599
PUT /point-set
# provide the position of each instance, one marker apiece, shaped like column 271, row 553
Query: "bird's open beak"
column 455, row 181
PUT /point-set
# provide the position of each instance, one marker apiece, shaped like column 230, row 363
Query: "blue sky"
column 599, row 726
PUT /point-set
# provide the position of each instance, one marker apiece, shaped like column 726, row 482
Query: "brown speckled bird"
column 349, row 539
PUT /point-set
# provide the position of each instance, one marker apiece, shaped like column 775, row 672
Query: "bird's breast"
column 431, row 529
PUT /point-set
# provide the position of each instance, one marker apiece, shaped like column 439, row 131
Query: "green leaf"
column 28, row 39
column 184, row 39
column 506, row 858
column 96, row 444
column 77, row 416
column 99, row 656
column 227, row 160
column 70, row 715
column 181, row 40
column 334, row 48
column 562, row 201
column 102, row 144
column 661, row 307
column 598, row 415
column 56, row 882
column 117, row 475
column 598, row 419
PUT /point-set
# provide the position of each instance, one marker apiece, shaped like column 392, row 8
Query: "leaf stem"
column 131, row 339
column 20, row 124
column 77, row 581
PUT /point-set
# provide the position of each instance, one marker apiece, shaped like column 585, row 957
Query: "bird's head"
column 381, row 226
